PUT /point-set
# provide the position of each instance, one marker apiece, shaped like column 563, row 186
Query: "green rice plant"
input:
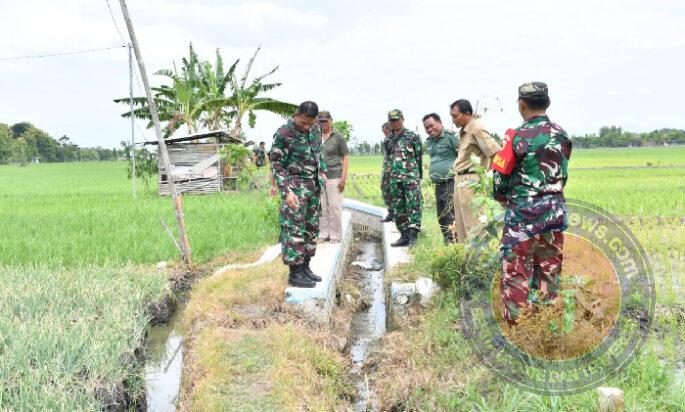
column 66, row 335
column 72, row 214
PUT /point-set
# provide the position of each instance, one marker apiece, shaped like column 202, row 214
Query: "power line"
column 40, row 56
column 116, row 26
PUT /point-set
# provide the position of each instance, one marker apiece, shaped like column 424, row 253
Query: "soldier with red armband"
column 530, row 173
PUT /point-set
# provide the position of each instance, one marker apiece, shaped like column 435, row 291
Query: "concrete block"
column 329, row 262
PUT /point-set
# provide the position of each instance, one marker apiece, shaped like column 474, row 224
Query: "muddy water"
column 368, row 323
column 163, row 366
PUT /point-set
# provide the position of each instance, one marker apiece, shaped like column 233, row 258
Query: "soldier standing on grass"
column 442, row 147
column 386, row 147
column 529, row 179
column 298, row 171
column 405, row 179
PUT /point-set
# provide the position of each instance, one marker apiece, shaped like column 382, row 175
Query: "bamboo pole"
column 184, row 244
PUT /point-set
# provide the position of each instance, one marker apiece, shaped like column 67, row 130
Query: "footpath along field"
column 77, row 258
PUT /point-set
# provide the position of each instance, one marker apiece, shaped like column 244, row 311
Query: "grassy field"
column 71, row 214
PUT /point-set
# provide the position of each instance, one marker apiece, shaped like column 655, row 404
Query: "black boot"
column 402, row 241
column 388, row 218
column 298, row 277
column 307, row 270
column 413, row 235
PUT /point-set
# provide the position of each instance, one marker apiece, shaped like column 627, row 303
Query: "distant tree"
column 126, row 149
column 344, row 128
column 20, row 128
column 146, row 167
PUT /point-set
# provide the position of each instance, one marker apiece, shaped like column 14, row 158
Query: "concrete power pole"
column 183, row 244
column 133, row 132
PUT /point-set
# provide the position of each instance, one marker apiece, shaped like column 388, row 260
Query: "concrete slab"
column 317, row 302
column 329, row 262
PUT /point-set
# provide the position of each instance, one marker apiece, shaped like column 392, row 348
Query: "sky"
column 609, row 62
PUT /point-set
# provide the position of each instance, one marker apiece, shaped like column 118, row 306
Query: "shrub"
column 451, row 270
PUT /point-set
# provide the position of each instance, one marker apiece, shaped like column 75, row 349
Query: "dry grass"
column 595, row 312
column 244, row 350
column 424, row 361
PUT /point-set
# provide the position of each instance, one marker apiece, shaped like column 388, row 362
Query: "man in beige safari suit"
column 473, row 140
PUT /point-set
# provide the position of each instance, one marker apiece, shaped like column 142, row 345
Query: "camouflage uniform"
column 405, row 183
column 385, row 176
column 298, row 166
column 531, row 248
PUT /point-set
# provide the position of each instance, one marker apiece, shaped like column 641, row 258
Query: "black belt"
column 466, row 172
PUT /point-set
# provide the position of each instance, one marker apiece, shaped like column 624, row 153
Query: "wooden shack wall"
column 190, row 154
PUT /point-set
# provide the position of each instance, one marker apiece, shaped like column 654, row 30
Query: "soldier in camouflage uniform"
column 405, row 179
column 298, row 172
column 386, row 147
column 529, row 179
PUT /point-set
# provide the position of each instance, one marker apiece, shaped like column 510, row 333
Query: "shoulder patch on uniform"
column 286, row 132
column 534, row 131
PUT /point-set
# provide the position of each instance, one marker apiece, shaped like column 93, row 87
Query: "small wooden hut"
column 196, row 164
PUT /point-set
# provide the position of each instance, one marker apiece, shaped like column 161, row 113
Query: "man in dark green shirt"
column 442, row 148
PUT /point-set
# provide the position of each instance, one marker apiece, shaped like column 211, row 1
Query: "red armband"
column 504, row 161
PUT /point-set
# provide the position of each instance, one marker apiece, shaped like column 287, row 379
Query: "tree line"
column 613, row 136
column 609, row 136
column 25, row 143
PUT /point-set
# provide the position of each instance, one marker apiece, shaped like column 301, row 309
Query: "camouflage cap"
column 324, row 115
column 533, row 90
column 395, row 114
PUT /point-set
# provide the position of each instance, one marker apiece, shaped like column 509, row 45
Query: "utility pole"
column 183, row 244
column 133, row 133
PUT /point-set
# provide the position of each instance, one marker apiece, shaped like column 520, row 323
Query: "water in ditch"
column 368, row 322
column 163, row 366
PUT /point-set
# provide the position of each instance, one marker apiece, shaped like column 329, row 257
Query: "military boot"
column 402, row 241
column 388, row 218
column 298, row 277
column 308, row 271
column 413, row 235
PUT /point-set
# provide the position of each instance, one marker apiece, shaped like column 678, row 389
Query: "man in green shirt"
column 442, row 148
column 337, row 159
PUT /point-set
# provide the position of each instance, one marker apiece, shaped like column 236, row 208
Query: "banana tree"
column 245, row 98
column 179, row 103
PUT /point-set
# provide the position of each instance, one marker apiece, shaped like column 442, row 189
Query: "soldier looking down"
column 298, row 171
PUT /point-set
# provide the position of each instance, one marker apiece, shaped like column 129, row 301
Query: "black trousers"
column 444, row 204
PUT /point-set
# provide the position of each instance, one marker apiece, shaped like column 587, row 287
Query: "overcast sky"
column 609, row 62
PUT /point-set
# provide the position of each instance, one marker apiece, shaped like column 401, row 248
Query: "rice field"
column 70, row 214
